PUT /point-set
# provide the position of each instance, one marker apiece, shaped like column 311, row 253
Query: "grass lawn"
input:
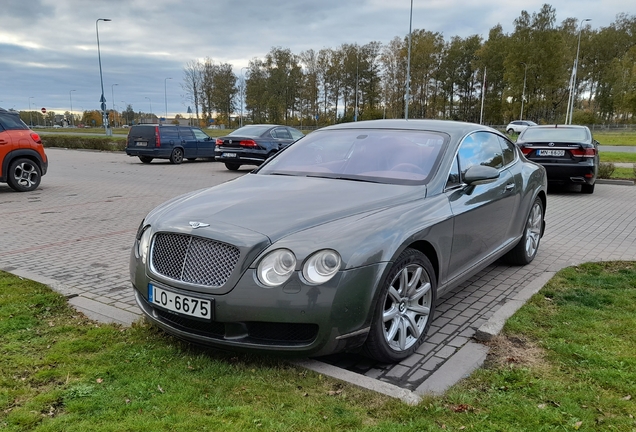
column 615, row 138
column 617, row 157
column 566, row 361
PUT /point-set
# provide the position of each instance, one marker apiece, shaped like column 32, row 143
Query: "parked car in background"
column 569, row 153
column 253, row 144
column 151, row 141
column 22, row 158
column 345, row 239
column 519, row 126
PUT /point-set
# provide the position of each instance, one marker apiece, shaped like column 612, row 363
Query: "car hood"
column 277, row 206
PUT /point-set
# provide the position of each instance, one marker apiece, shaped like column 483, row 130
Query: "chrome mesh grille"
column 193, row 260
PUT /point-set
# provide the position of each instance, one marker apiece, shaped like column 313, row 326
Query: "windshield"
column 558, row 134
column 374, row 155
column 250, row 131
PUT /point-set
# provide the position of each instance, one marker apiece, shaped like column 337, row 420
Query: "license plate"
column 184, row 305
column 229, row 155
column 141, row 143
column 550, row 152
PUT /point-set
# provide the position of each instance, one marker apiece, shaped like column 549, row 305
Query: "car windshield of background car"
column 250, row 131
column 374, row 155
column 555, row 135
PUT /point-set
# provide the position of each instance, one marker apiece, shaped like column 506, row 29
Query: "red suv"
column 22, row 158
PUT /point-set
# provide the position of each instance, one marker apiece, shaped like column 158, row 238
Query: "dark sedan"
column 568, row 153
column 253, row 144
column 345, row 239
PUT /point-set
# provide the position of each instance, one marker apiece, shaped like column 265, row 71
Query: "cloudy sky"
column 48, row 48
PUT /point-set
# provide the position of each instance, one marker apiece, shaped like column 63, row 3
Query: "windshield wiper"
column 339, row 177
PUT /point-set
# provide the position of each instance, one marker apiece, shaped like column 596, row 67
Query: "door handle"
column 510, row 186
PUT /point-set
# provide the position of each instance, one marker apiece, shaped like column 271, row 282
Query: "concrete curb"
column 470, row 357
column 94, row 310
column 615, row 182
column 372, row 384
column 493, row 326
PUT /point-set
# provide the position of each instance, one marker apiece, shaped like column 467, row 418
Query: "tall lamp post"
column 112, row 94
column 150, row 102
column 523, row 94
column 30, row 113
column 70, row 96
column 165, row 95
column 408, row 68
column 242, row 95
column 101, row 79
column 570, row 110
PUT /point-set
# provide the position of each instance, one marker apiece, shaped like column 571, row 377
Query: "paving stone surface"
column 77, row 229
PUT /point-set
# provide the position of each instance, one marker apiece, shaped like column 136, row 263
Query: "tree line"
column 448, row 78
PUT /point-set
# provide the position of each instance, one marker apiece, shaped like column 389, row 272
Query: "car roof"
column 451, row 127
column 560, row 126
column 9, row 112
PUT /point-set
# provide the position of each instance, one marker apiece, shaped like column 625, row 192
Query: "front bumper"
column 295, row 318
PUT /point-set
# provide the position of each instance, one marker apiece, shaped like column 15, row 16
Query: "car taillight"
column 586, row 152
column 219, row 141
column 526, row 150
column 247, row 143
column 36, row 138
column 157, row 139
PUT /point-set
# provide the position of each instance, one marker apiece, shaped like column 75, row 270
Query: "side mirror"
column 480, row 173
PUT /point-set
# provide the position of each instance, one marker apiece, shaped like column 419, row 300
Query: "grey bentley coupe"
column 342, row 241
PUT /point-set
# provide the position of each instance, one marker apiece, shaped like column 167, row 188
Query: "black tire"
column 510, row 131
column 588, row 188
column 24, row 175
column 232, row 166
column 146, row 159
column 524, row 252
column 393, row 337
column 177, row 156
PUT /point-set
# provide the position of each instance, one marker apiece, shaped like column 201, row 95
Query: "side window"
column 481, row 148
column 453, row 175
column 281, row 133
column 296, row 134
column 200, row 135
column 509, row 151
column 186, row 134
column 169, row 133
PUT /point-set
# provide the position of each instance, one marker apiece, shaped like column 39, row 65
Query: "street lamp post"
column 242, row 95
column 150, row 102
column 101, row 79
column 112, row 94
column 70, row 96
column 165, row 95
column 523, row 94
column 408, row 68
column 570, row 110
column 30, row 112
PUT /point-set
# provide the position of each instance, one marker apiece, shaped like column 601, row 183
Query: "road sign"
column 103, row 106
column 43, row 110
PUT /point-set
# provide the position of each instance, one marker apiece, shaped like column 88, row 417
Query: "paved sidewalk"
column 76, row 231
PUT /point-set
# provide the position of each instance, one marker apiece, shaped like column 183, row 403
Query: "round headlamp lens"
column 321, row 266
column 276, row 267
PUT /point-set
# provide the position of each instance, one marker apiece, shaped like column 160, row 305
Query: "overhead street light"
column 242, row 95
column 165, row 96
column 408, row 68
column 30, row 113
column 112, row 94
column 70, row 96
column 572, row 96
column 102, row 100
column 150, row 102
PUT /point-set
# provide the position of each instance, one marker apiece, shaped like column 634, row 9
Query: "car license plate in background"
column 141, row 143
column 185, row 305
column 551, row 152
column 229, row 155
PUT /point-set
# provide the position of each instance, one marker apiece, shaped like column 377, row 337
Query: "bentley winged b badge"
column 196, row 225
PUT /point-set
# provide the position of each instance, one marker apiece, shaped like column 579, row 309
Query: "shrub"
column 605, row 170
column 84, row 142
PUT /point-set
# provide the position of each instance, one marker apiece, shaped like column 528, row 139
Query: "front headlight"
column 321, row 266
column 143, row 244
column 276, row 267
